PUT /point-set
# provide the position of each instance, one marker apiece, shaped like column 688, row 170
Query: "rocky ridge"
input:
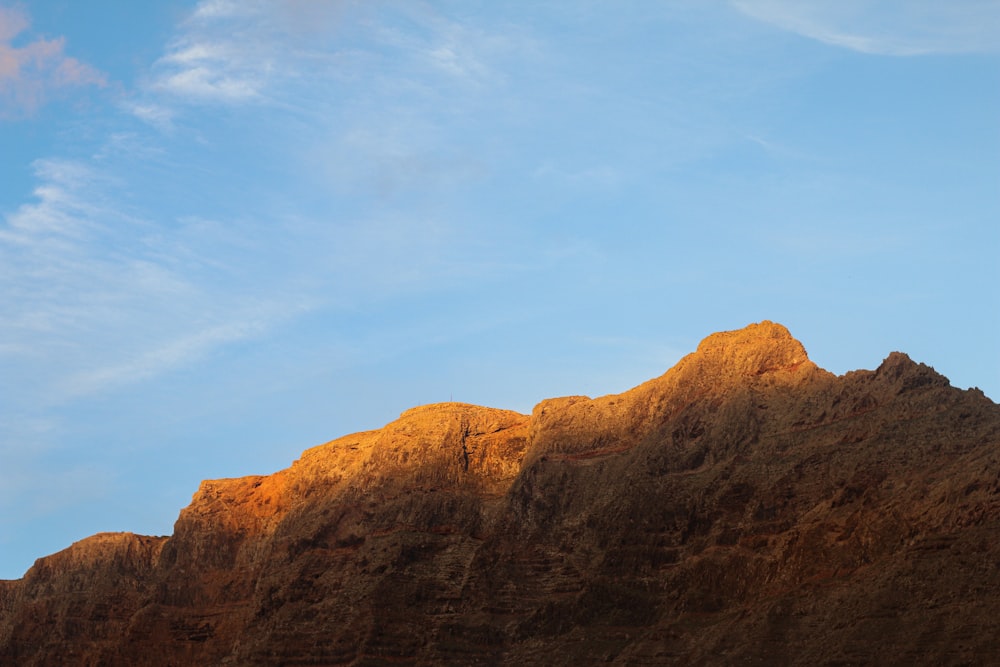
column 745, row 507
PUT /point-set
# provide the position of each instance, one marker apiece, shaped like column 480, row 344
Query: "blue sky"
column 232, row 230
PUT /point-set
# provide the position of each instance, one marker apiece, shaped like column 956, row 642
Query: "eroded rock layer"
column 746, row 507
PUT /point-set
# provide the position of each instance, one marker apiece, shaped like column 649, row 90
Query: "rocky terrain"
column 747, row 507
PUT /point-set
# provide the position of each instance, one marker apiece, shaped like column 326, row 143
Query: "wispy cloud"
column 158, row 116
column 887, row 27
column 58, row 211
column 32, row 73
column 237, row 52
column 195, row 70
column 210, row 9
column 179, row 351
column 97, row 298
column 231, row 52
column 292, row 53
column 112, row 278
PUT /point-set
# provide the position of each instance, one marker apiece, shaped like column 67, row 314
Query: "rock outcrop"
column 747, row 507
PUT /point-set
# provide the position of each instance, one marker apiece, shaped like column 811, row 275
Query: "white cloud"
column 213, row 9
column 95, row 298
column 100, row 296
column 291, row 53
column 33, row 73
column 158, row 116
column 208, row 83
column 59, row 210
column 197, row 68
column 460, row 52
column 887, row 27
column 220, row 55
column 169, row 354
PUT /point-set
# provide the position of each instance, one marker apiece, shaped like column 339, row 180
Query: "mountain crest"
column 744, row 507
column 581, row 427
column 753, row 350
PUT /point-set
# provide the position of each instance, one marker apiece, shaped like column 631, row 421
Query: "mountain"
column 746, row 507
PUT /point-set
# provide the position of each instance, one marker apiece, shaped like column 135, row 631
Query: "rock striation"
column 747, row 507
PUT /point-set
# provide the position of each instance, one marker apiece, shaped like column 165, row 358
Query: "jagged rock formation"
column 746, row 507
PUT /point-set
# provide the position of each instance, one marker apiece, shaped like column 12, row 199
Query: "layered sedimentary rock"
column 745, row 507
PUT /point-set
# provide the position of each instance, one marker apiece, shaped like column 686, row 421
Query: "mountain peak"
column 578, row 426
column 753, row 350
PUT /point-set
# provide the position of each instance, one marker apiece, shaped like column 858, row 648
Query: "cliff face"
column 745, row 507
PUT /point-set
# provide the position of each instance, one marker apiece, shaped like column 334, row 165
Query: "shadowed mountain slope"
column 747, row 507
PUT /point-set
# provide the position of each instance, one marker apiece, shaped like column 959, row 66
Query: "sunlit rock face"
column 746, row 507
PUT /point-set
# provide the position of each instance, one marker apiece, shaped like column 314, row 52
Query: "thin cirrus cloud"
column 223, row 53
column 293, row 53
column 229, row 53
column 97, row 298
column 888, row 28
column 113, row 293
column 176, row 352
column 33, row 73
column 203, row 72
